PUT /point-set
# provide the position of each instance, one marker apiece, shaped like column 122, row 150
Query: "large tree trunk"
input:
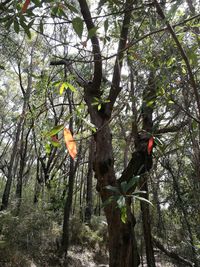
column 122, row 244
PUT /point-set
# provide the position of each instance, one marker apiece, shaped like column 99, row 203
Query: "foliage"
column 90, row 236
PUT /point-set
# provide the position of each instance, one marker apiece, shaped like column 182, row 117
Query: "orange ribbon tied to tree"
column 150, row 145
column 70, row 143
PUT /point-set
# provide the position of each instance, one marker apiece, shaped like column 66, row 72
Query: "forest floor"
column 78, row 256
column 88, row 258
column 83, row 257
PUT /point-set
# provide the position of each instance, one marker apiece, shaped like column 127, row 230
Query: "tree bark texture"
column 122, row 243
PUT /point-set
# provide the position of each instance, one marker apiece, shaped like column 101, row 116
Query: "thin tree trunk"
column 146, row 222
column 22, row 153
column 69, row 199
column 67, row 208
column 37, row 183
column 89, row 197
column 81, row 193
column 6, row 193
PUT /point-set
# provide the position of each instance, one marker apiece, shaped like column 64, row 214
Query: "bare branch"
column 95, row 45
column 115, row 88
column 171, row 129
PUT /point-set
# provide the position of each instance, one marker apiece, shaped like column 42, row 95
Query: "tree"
column 142, row 85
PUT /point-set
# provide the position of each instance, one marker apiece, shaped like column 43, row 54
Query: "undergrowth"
column 34, row 235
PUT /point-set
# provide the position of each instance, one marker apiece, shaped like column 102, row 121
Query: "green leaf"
column 123, row 186
column 55, row 144
column 71, row 87
column 55, row 130
column 150, row 103
column 106, row 26
column 121, row 202
column 8, row 23
column 133, row 181
column 143, row 199
column 71, row 7
column 54, row 10
column 77, row 24
column 91, row 125
column 124, row 216
column 171, row 61
column 47, row 148
column 62, row 87
column 194, row 125
column 158, row 141
column 92, row 32
column 30, row 24
column 197, row 245
column 16, row 26
column 95, row 103
column 56, row 83
column 112, row 188
column 37, row 3
column 28, row 33
column 61, row 13
column 195, row 25
column 22, row 23
column 184, row 70
column 67, row 85
column 161, row 91
column 139, row 193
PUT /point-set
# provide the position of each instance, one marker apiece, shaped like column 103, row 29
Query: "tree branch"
column 182, row 52
column 115, row 88
column 171, row 129
column 95, row 45
column 172, row 254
